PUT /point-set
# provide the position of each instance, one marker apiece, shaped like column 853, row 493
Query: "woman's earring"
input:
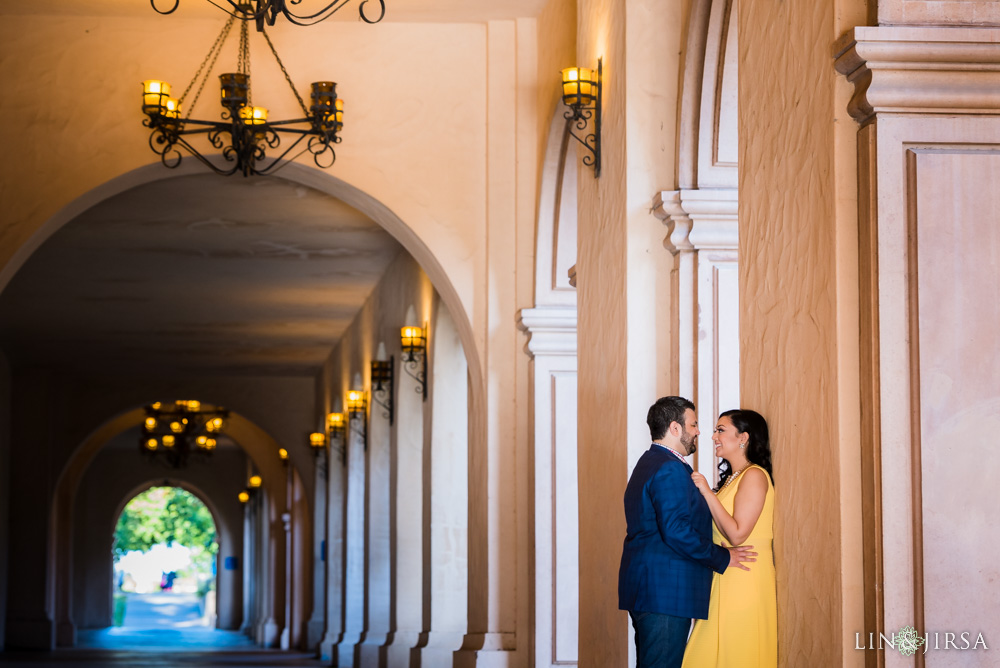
column 743, row 445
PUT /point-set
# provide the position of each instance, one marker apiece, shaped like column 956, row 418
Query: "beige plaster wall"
column 414, row 143
column 798, row 312
column 622, row 288
column 556, row 33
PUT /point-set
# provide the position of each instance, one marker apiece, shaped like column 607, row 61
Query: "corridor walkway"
column 160, row 648
column 163, row 610
column 163, row 629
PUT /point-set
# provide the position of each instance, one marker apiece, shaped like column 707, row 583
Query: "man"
column 665, row 578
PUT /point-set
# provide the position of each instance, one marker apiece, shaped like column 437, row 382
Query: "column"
column 552, row 347
column 378, row 579
column 314, row 628
column 493, row 502
column 798, row 313
column 249, row 568
column 702, row 235
column 336, row 480
column 624, row 294
column 445, row 484
column 926, row 98
column 409, row 569
column 29, row 615
column 354, row 548
column 285, row 641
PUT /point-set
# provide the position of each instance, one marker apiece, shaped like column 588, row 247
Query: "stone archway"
column 296, row 173
column 260, row 447
column 60, row 596
column 227, row 533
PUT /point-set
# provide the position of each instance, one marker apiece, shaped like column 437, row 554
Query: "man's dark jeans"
column 659, row 639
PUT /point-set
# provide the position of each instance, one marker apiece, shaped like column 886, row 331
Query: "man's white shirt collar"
column 674, row 452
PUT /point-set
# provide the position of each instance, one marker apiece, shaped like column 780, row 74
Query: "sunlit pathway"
column 164, row 610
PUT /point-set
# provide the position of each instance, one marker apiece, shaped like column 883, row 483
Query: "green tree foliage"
column 167, row 515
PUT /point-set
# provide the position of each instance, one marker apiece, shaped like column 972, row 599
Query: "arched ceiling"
column 196, row 274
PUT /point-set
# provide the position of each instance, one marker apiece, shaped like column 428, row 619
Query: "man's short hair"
column 665, row 411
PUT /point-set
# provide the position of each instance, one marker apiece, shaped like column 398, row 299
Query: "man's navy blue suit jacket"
column 668, row 556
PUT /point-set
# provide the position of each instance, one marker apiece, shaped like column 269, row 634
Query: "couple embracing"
column 692, row 552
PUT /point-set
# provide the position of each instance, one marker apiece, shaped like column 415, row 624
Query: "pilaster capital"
column 552, row 329
column 925, row 70
column 702, row 219
column 668, row 208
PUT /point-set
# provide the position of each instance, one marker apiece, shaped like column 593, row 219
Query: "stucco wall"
column 622, row 289
column 109, row 484
column 409, row 121
column 798, row 311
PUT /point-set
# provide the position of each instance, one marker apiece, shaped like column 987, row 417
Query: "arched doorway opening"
column 106, row 470
column 164, row 553
column 158, row 375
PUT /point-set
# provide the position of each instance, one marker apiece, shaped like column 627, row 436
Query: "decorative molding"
column 702, row 219
column 704, row 71
column 552, row 330
column 921, row 70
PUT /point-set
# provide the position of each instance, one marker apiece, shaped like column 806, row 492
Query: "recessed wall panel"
column 956, row 193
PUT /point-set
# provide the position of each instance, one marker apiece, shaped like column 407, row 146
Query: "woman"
column 741, row 630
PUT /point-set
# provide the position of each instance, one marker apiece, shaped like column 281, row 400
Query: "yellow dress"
column 742, row 626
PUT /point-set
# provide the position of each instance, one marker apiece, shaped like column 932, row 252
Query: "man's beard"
column 690, row 442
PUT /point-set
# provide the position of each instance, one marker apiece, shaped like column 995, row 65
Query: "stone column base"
column 328, row 646
column 268, row 633
column 314, row 633
column 30, row 634
column 65, row 634
column 486, row 649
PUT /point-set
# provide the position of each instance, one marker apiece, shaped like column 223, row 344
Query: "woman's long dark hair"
column 758, row 450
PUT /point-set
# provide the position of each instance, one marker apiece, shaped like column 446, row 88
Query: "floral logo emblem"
column 908, row 641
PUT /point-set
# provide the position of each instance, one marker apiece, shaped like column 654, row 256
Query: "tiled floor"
column 154, row 649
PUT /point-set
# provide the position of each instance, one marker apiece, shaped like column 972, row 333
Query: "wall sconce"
column 335, row 428
column 357, row 403
column 357, row 407
column 254, row 483
column 335, row 424
column 382, row 377
column 244, row 496
column 317, row 442
column 283, row 456
column 414, row 342
column 581, row 92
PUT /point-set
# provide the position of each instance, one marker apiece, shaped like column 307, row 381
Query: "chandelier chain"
column 213, row 55
column 243, row 64
column 285, row 72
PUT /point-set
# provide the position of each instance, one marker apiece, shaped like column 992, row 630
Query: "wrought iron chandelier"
column 174, row 431
column 266, row 11
column 250, row 133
